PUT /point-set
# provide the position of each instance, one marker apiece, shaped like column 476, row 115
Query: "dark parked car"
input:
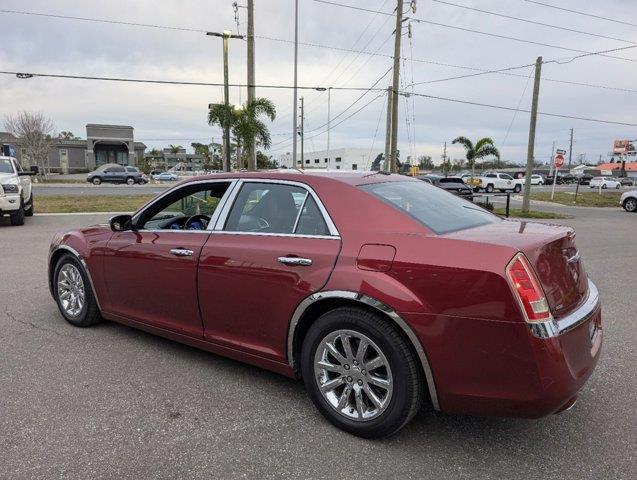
column 454, row 185
column 113, row 173
column 379, row 291
column 585, row 179
column 626, row 181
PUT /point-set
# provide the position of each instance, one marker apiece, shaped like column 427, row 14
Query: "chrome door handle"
column 306, row 262
column 181, row 252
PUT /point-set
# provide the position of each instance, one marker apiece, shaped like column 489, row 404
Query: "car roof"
column 353, row 178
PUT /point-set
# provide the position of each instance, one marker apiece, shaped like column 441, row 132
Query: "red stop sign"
column 559, row 160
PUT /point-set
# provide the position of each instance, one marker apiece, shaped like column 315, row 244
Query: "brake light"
column 528, row 290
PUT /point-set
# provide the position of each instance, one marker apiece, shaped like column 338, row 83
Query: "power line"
column 582, row 13
column 533, row 22
column 342, row 120
column 26, row 75
column 479, row 32
column 511, row 109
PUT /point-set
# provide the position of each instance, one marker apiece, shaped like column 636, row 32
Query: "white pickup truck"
column 490, row 181
column 16, row 197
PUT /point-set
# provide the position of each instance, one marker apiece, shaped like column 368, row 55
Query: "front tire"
column 97, row 181
column 489, row 188
column 73, row 293
column 17, row 218
column 361, row 373
column 630, row 205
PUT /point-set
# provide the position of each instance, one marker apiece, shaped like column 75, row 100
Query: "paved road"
column 113, row 402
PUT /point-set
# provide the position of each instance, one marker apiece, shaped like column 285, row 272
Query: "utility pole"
column 225, row 35
column 329, row 115
column 530, row 155
column 252, row 159
column 296, row 63
column 393, row 156
column 302, row 135
column 570, row 150
column 387, row 132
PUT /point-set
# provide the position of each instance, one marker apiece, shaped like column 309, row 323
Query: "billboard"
column 621, row 147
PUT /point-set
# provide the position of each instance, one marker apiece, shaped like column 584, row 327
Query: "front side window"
column 440, row 211
column 275, row 208
column 189, row 208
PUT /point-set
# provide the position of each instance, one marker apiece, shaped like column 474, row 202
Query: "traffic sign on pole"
column 559, row 160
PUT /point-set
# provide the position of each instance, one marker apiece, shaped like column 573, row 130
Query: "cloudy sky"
column 162, row 115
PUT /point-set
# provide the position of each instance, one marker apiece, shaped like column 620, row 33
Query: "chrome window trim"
column 376, row 304
column 214, row 217
column 223, row 216
column 553, row 328
column 268, row 234
column 84, row 265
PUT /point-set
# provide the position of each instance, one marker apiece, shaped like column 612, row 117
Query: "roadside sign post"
column 558, row 161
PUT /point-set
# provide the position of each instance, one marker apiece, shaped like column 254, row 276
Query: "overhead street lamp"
column 225, row 35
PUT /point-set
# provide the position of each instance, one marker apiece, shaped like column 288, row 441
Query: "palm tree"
column 483, row 148
column 175, row 149
column 245, row 123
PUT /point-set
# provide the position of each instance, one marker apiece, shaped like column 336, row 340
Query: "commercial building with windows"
column 337, row 159
column 103, row 144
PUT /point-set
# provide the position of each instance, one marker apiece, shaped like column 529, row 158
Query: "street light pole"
column 302, row 134
column 296, row 62
column 252, row 159
column 329, row 100
column 226, row 93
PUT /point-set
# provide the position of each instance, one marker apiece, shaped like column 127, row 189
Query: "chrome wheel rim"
column 631, row 205
column 70, row 288
column 353, row 375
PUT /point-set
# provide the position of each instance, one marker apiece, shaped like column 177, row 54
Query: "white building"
column 338, row 159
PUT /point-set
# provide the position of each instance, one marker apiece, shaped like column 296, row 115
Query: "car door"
column 273, row 246
column 151, row 271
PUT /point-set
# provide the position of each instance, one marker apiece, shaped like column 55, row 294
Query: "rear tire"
column 394, row 404
column 17, row 218
column 517, row 188
column 70, row 281
column 130, row 181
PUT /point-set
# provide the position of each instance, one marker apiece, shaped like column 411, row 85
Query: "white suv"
column 16, row 197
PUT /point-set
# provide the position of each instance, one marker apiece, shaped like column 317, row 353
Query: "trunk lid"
column 550, row 250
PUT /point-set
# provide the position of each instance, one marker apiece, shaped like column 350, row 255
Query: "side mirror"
column 35, row 169
column 121, row 223
column 26, row 174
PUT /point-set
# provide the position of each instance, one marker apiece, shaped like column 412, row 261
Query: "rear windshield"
column 438, row 210
column 452, row 180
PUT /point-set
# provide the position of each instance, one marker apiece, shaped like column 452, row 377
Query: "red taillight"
column 528, row 290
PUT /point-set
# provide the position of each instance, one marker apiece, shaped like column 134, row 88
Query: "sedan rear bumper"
column 506, row 368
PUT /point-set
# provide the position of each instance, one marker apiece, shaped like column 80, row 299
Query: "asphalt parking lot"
column 113, row 402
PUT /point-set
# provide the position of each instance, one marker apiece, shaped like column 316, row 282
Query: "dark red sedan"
column 380, row 291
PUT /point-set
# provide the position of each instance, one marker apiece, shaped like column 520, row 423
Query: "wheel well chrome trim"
column 375, row 304
column 79, row 257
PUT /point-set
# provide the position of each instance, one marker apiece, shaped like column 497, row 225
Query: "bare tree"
column 35, row 133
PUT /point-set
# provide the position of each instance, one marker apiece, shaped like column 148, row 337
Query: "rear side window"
column 266, row 208
column 438, row 210
column 275, row 208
